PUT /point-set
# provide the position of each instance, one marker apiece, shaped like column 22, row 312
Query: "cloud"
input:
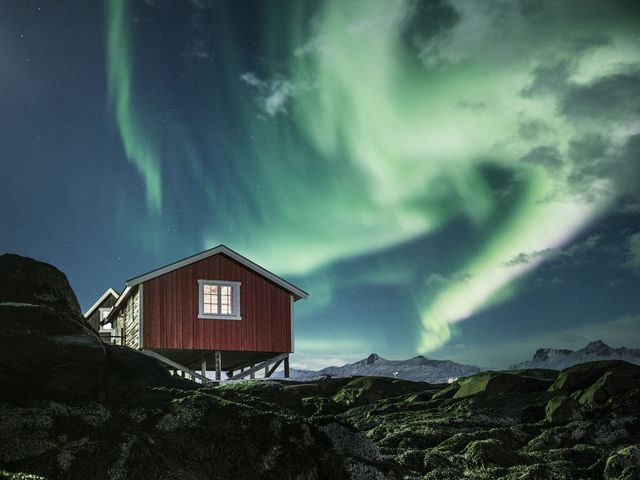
column 550, row 78
column 600, row 167
column 427, row 28
column 580, row 248
column 633, row 250
column 439, row 279
column 544, row 155
column 615, row 96
column 572, row 252
column 272, row 95
column 554, row 77
column 533, row 129
column 524, row 258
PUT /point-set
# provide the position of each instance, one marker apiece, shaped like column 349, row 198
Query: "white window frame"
column 101, row 318
column 236, row 315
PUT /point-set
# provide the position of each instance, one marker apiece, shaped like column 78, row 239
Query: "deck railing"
column 111, row 339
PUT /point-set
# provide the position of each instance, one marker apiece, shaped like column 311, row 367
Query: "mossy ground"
column 335, row 428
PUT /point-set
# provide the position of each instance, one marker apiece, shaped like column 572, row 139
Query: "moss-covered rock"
column 364, row 390
column 624, row 464
column 580, row 455
column 562, row 409
column 609, row 384
column 542, row 471
column 582, row 376
column 495, row 383
column 490, row 452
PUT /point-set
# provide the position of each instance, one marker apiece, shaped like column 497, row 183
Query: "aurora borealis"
column 451, row 178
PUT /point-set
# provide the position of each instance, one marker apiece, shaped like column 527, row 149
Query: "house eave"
column 297, row 292
column 103, row 297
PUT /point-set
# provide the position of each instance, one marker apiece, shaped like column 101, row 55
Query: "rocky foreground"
column 73, row 408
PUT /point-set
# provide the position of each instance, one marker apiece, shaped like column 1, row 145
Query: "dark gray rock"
column 24, row 280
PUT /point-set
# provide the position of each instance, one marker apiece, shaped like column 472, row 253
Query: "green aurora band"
column 370, row 137
column 120, row 78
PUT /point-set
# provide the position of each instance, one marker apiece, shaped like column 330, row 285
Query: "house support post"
column 218, row 362
column 181, row 370
column 286, row 367
column 203, row 370
column 252, row 375
column 277, row 360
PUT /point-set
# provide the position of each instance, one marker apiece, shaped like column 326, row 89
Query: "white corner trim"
column 125, row 293
column 214, row 251
column 141, row 315
column 220, row 283
column 293, row 338
column 109, row 291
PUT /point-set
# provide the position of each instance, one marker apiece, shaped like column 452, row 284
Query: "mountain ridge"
column 418, row 368
column 558, row 359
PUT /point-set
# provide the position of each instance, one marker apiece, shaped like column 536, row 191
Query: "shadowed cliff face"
column 111, row 412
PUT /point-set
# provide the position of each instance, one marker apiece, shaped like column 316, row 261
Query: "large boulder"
column 46, row 349
column 46, row 354
column 27, row 281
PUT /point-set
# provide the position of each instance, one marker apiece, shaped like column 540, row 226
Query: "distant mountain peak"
column 372, row 358
column 598, row 347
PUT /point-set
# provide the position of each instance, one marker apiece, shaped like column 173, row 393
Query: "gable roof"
column 297, row 293
column 109, row 291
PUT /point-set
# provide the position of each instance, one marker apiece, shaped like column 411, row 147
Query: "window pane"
column 219, row 299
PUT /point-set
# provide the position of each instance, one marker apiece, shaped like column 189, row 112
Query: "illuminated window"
column 219, row 299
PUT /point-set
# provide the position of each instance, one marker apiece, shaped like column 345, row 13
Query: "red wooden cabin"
column 216, row 308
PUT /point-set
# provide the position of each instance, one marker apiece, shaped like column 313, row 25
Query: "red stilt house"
column 216, row 310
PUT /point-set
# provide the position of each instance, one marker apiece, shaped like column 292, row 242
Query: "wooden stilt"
column 180, row 370
column 273, row 369
column 286, row 367
column 218, row 364
column 266, row 371
column 277, row 360
column 203, row 369
column 252, row 375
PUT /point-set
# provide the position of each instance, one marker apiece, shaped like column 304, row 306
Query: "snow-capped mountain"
column 560, row 359
column 418, row 369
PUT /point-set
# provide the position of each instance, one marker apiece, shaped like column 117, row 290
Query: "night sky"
column 451, row 178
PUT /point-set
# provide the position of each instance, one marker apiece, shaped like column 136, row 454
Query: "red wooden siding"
column 171, row 311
